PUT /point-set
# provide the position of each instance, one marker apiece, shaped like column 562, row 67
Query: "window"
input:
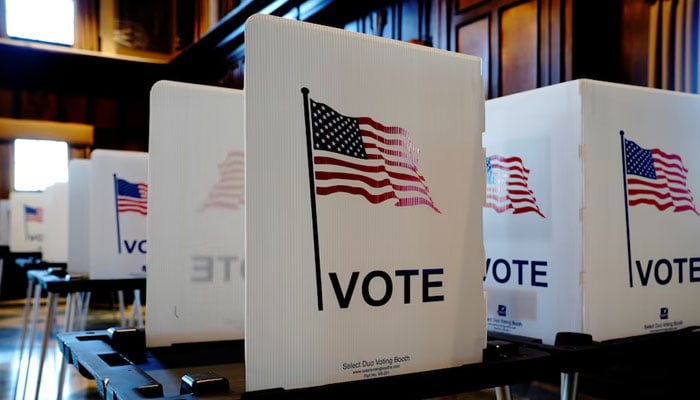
column 39, row 164
column 44, row 20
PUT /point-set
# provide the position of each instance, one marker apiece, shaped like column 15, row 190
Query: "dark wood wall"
column 110, row 94
column 523, row 44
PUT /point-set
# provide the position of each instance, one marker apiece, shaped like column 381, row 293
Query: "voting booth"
column 26, row 221
column 55, row 243
column 79, row 216
column 118, row 209
column 196, row 214
column 591, row 221
column 4, row 222
column 364, row 194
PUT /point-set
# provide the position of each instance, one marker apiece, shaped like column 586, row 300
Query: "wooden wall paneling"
column 368, row 25
column 556, row 42
column 529, row 41
column 135, row 125
column 353, row 26
column 411, row 22
column 667, row 48
column 39, row 105
column 6, row 168
column 673, row 42
column 683, row 37
column 543, row 42
column 389, row 28
column 635, row 39
column 105, row 113
column 474, row 39
column 679, row 46
column 596, row 40
column 408, row 20
column 567, row 34
column 6, row 102
column 693, row 46
column 464, row 4
column 494, row 54
column 519, row 58
column 72, row 109
column 554, row 23
column 79, row 152
column 397, row 20
column 440, row 18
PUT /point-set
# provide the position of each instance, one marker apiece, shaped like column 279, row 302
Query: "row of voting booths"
column 349, row 221
column 91, row 229
column 94, row 224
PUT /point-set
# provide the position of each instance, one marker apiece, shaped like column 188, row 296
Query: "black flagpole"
column 312, row 186
column 627, row 212
column 116, row 210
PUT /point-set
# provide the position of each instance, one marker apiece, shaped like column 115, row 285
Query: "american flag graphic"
column 657, row 178
column 33, row 214
column 507, row 186
column 132, row 197
column 228, row 192
column 360, row 156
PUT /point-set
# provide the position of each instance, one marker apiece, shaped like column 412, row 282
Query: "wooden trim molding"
column 74, row 134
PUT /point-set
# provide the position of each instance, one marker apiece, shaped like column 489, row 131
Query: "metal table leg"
column 502, row 392
column 71, row 302
column 51, row 305
column 36, row 305
column 569, row 383
column 25, row 326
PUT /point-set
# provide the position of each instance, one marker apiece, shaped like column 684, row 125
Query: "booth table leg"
column 502, row 392
column 569, row 383
column 51, row 306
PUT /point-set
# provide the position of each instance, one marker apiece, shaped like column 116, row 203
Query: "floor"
column 18, row 377
column 18, row 380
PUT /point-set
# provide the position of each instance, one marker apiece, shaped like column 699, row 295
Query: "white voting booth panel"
column 26, row 221
column 364, row 252
column 195, row 237
column 4, row 222
column 591, row 223
column 55, row 244
column 118, row 209
column 79, row 216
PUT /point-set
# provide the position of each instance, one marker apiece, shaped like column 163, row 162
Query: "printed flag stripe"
column 659, row 195
column 372, row 198
column 386, row 129
column 657, row 178
column 499, row 208
column 229, row 191
column 509, row 199
column 523, row 210
column 367, row 168
column 507, row 186
column 135, row 209
column 363, row 157
column 388, row 152
column 369, row 181
column 382, row 140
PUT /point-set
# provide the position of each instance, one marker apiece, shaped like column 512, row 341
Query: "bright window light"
column 45, row 20
column 39, row 164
